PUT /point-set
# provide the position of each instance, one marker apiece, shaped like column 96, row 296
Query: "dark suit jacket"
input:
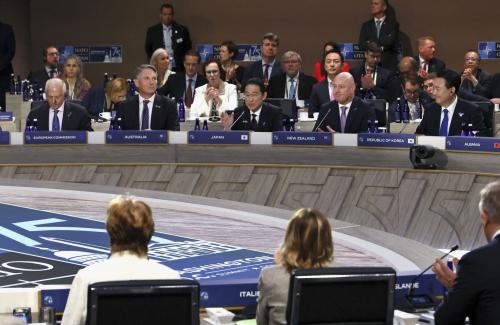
column 386, row 85
column 175, row 87
column 424, row 100
column 94, row 100
column 320, row 95
column 255, row 71
column 465, row 113
column 7, row 51
column 163, row 116
column 75, row 117
column 389, row 40
column 357, row 118
column 495, row 86
column 39, row 76
column 181, row 42
column 476, row 291
column 270, row 119
column 482, row 88
column 277, row 85
column 435, row 65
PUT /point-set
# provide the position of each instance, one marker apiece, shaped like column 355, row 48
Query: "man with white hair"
column 57, row 114
column 474, row 291
column 347, row 113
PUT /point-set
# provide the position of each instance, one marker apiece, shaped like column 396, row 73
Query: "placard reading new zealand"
column 4, row 138
column 51, row 137
column 489, row 50
column 218, row 137
column 137, row 137
column 64, row 243
column 473, row 144
column 302, row 138
column 386, row 140
column 93, row 54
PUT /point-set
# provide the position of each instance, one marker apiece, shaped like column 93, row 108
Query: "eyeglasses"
column 53, row 54
column 252, row 95
column 212, row 72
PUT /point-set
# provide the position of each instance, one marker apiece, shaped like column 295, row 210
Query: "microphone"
column 323, row 119
column 240, row 116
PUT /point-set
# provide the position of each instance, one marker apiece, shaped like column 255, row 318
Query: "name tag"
column 179, row 40
column 386, row 140
column 51, row 137
column 302, row 138
column 137, row 137
column 218, row 137
column 473, row 144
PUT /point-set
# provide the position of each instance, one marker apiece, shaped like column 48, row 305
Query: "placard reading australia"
column 137, row 137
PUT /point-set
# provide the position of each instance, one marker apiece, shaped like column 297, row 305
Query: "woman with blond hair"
column 308, row 244
column 161, row 61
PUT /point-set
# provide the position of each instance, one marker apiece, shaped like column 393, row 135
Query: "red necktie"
column 189, row 94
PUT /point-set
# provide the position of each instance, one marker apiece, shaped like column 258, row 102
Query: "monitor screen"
column 342, row 296
column 133, row 302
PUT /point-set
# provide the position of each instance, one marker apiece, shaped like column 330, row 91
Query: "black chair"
column 144, row 302
column 488, row 110
column 342, row 295
column 380, row 108
column 288, row 106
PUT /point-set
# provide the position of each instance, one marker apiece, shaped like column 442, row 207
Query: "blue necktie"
column 145, row 116
column 55, row 122
column 292, row 89
column 443, row 130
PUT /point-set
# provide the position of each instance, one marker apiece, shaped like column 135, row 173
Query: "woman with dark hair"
column 308, row 244
column 77, row 86
column 319, row 71
column 231, row 72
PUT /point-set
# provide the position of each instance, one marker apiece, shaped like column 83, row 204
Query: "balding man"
column 56, row 114
column 347, row 113
column 427, row 57
column 474, row 79
column 475, row 289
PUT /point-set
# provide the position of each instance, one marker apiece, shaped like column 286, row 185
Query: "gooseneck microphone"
column 323, row 119
column 236, row 121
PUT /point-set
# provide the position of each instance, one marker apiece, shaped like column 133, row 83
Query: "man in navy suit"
column 426, row 58
column 383, row 30
column 373, row 81
column 474, row 291
column 169, row 35
column 7, row 52
column 347, row 113
column 56, row 114
column 148, row 110
column 450, row 115
column 255, row 115
column 291, row 84
column 269, row 66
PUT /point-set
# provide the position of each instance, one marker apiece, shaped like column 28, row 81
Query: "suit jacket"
column 277, row 86
column 255, row 71
column 495, row 86
column 476, row 291
column 465, row 113
column 320, row 95
column 181, row 42
column 175, row 87
column 39, row 76
column 435, row 65
column 270, row 119
column 273, row 288
column 7, row 50
column 386, row 85
column 163, row 115
column 388, row 39
column 424, row 100
column 75, row 117
column 482, row 88
column 357, row 118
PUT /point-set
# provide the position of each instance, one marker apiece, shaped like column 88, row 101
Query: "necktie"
column 145, row 116
column 52, row 73
column 443, row 130
column 332, row 96
column 189, row 93
column 266, row 74
column 55, row 122
column 254, row 122
column 343, row 118
column 379, row 25
column 424, row 66
column 291, row 95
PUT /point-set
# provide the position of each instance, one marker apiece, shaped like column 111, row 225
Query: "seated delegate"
column 100, row 100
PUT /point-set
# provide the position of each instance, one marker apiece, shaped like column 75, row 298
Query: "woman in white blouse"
column 216, row 94
column 161, row 61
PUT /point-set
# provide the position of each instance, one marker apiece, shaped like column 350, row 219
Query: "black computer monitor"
column 144, row 302
column 343, row 295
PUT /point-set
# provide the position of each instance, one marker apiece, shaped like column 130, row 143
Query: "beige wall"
column 302, row 26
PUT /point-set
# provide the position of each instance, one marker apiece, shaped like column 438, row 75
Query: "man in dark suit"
column 291, row 84
column 57, row 114
column 183, row 84
column 322, row 92
column 383, row 30
column 7, row 52
column 148, row 110
column 347, row 113
column 268, row 66
column 427, row 61
column 495, row 89
column 372, row 81
column 51, row 67
column 474, row 79
column 255, row 115
column 169, row 35
column 413, row 96
column 450, row 115
column 474, row 291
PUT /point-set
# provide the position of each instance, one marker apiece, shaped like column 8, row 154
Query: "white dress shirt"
column 167, row 39
column 257, row 114
column 201, row 108
column 60, row 114
column 348, row 105
column 150, row 109
column 451, row 110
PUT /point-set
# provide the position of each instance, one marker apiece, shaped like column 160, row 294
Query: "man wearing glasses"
column 52, row 69
column 414, row 97
column 473, row 78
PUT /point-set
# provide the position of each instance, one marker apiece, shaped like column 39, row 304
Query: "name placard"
column 473, row 144
column 6, row 117
column 137, row 137
column 218, row 137
column 51, row 137
column 386, row 140
column 302, row 138
column 4, row 138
